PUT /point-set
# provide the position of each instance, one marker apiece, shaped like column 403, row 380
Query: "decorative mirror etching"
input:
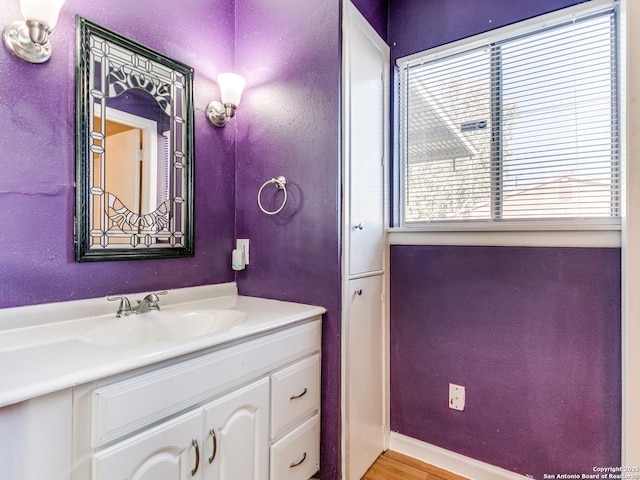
column 134, row 150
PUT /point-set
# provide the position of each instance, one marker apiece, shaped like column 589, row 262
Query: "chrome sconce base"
column 28, row 40
column 219, row 114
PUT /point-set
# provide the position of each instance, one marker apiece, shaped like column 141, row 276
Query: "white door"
column 366, row 82
column 366, row 122
column 122, row 168
column 364, row 382
column 366, row 97
column 171, row 451
column 236, row 444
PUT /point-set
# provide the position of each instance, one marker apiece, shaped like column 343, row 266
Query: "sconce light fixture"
column 231, row 86
column 29, row 39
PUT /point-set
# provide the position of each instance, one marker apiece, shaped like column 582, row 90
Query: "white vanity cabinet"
column 91, row 402
column 246, row 411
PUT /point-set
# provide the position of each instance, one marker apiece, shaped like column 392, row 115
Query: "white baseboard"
column 451, row 461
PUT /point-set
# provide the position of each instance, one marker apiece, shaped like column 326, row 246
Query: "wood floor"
column 396, row 466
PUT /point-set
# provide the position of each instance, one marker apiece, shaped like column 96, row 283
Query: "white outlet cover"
column 456, row 397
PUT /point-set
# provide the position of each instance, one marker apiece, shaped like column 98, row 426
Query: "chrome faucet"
column 148, row 303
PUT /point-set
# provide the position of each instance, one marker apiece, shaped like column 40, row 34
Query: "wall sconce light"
column 231, row 86
column 29, row 39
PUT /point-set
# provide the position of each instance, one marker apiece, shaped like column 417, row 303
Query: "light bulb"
column 43, row 11
column 231, row 86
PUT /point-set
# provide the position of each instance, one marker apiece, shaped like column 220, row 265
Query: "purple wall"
column 37, row 156
column 532, row 333
column 376, row 12
column 415, row 25
column 288, row 124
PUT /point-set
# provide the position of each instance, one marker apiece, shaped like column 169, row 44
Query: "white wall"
column 631, row 243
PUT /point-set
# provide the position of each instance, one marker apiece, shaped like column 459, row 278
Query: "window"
column 520, row 129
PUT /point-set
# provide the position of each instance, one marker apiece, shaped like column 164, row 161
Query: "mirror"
column 134, row 149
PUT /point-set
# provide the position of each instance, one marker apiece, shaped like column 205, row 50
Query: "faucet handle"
column 153, row 297
column 124, row 307
column 152, row 300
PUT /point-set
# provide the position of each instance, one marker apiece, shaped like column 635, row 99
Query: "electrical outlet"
column 456, row 397
column 243, row 244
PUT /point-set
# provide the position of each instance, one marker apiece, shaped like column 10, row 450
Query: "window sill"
column 593, row 236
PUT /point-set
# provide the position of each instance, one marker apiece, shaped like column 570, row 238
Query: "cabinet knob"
column 358, row 291
column 194, row 444
column 359, row 226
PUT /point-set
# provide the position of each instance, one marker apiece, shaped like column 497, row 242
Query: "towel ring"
column 280, row 184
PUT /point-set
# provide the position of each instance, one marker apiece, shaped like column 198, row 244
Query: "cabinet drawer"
column 295, row 394
column 126, row 406
column 297, row 455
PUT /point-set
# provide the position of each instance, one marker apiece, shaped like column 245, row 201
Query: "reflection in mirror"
column 134, row 150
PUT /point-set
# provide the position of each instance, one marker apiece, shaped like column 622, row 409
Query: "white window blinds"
column 521, row 129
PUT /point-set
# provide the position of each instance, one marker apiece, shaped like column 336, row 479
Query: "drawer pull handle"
column 294, row 397
column 194, row 444
column 215, row 445
column 358, row 291
column 295, row 464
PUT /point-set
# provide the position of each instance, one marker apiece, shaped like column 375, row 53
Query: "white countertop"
column 45, row 352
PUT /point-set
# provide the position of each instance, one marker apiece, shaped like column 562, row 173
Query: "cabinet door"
column 170, row 451
column 364, row 379
column 366, row 152
column 237, row 435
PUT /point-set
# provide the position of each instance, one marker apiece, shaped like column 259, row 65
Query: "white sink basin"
column 162, row 326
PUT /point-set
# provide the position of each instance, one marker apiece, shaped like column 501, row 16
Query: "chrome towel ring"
column 280, row 184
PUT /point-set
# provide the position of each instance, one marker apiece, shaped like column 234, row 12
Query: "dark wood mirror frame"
column 117, row 75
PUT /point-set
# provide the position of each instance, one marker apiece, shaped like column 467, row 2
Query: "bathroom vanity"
column 233, row 394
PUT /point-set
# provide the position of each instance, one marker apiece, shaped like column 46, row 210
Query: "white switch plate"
column 456, row 397
column 243, row 244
